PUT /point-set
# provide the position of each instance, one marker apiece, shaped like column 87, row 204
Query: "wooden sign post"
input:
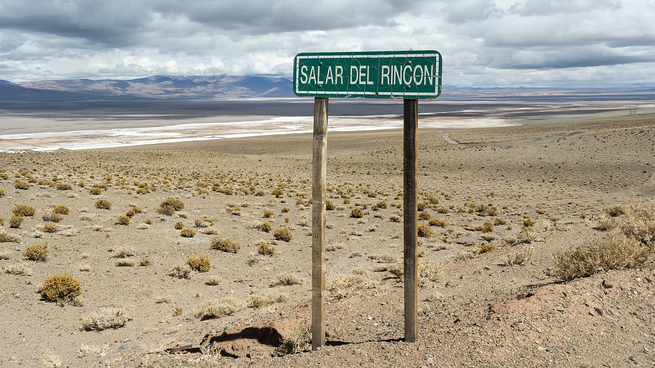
column 410, row 75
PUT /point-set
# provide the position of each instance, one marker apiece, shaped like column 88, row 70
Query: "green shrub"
column 61, row 210
column 15, row 221
column 424, row 231
column 600, row 254
column 23, row 210
column 200, row 264
column 357, row 212
column 19, row 184
column 265, row 249
column 283, row 233
column 187, row 233
column 37, row 253
column 103, row 204
column 123, row 220
column 60, row 288
column 225, row 244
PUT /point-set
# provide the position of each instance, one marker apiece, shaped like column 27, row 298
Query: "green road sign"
column 387, row 74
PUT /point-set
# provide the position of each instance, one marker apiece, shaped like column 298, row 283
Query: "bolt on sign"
column 388, row 74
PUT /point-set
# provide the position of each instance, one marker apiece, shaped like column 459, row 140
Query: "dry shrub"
column 277, row 192
column 265, row 249
column 266, row 227
column 104, row 319
column 269, row 214
column 165, row 210
column 297, row 341
column 179, row 225
column 287, row 278
column 424, row 216
column 50, row 228
column 123, row 252
column 600, row 254
column 394, row 218
column 38, row 252
column 424, row 231
column 180, row 271
column 285, row 209
column 200, row 264
column 145, row 262
column 175, row 203
column 103, row 204
column 187, row 233
column 608, row 224
column 95, row 191
column 210, row 230
column 125, row 263
column 640, row 223
column 528, row 223
column 213, row 280
column 527, row 236
column 384, row 258
column 486, row 248
column 487, row 227
column 616, row 210
column 23, row 210
column 488, row 237
column 64, row 186
column 342, row 285
column 329, row 206
column 2, row 192
column 357, row 213
column 21, row 269
column 265, row 298
column 53, row 217
column 10, row 238
column 283, row 233
column 216, row 308
column 508, row 240
column 19, row 184
column 143, row 226
column 15, row 221
column 61, row 210
column 5, row 254
column 430, row 270
column 437, row 222
column 60, row 288
column 123, row 220
column 225, row 244
column 442, row 210
column 520, row 257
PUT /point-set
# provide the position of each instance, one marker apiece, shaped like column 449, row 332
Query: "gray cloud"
column 484, row 42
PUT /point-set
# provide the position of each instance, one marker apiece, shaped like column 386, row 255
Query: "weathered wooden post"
column 410, row 168
column 410, row 75
column 318, row 220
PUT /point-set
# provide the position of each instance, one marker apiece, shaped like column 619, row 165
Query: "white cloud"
column 485, row 43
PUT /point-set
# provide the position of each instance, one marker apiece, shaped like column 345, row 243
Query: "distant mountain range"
column 156, row 87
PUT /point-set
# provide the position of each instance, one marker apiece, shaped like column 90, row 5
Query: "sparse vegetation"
column 216, row 308
column 50, row 228
column 424, row 231
column 283, row 233
column 600, row 254
column 225, row 244
column 180, row 271
column 265, row 298
column 486, row 248
column 61, row 287
column 265, row 249
column 23, row 210
column 37, row 252
column 520, row 257
column 103, row 204
column 200, row 264
column 104, row 319
column 437, row 222
column 357, row 213
column 187, row 233
column 266, row 227
column 61, row 210
column 287, row 278
column 19, row 184
column 15, row 221
column 487, row 227
column 123, row 220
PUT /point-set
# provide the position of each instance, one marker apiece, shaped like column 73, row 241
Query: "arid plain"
column 476, row 307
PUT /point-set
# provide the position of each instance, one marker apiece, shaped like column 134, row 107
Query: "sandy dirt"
column 474, row 310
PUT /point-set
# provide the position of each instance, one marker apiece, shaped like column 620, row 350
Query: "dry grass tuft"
column 53, row 217
column 640, row 223
column 123, row 252
column 287, row 278
column 125, row 263
column 520, row 257
column 600, row 254
column 342, row 285
column 297, row 341
column 5, row 254
column 216, row 308
column 213, row 280
column 10, row 238
column 265, row 298
column 225, row 244
column 180, row 271
column 21, row 269
column 384, row 258
column 104, row 319
column 608, row 224
column 283, row 233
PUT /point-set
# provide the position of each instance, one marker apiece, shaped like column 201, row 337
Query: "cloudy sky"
column 484, row 43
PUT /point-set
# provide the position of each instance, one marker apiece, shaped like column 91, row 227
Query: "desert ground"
column 542, row 188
